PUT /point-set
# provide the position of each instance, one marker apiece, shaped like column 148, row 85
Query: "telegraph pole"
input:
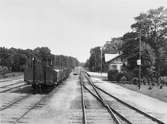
column 33, row 60
column 139, row 61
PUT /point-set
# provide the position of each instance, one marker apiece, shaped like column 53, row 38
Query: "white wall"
column 115, row 66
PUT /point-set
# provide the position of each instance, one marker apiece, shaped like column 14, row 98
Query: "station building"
column 115, row 61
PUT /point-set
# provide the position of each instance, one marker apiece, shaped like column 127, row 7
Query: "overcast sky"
column 69, row 27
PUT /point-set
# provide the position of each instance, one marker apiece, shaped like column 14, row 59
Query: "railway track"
column 121, row 105
column 18, row 82
column 12, row 103
column 82, row 103
column 39, row 103
column 116, row 119
column 117, row 115
column 12, row 88
column 6, row 80
column 17, row 120
column 24, row 104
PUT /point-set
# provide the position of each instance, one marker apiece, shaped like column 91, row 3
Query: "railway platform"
column 147, row 104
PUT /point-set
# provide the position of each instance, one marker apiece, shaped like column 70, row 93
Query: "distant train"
column 41, row 77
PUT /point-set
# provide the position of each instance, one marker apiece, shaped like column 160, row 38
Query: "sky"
column 68, row 27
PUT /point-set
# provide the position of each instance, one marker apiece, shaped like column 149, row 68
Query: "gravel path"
column 62, row 108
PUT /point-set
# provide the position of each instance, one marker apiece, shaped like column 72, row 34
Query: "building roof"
column 109, row 57
column 118, row 56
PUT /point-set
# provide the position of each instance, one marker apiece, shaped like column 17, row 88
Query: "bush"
column 112, row 75
column 135, row 80
column 123, row 76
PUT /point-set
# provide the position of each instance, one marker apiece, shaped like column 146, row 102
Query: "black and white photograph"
column 83, row 61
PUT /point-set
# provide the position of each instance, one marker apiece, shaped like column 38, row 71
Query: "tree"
column 153, row 27
column 61, row 61
column 17, row 59
column 96, row 61
column 43, row 53
column 113, row 46
column 130, row 49
column 19, row 62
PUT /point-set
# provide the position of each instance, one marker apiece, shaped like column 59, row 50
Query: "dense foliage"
column 151, row 29
column 96, row 62
column 61, row 61
column 113, row 46
column 17, row 59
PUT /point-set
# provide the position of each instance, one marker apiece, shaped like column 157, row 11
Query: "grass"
column 155, row 92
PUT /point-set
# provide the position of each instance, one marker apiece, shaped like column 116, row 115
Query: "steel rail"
column 43, row 98
column 26, row 112
column 18, row 82
column 117, row 113
column 14, row 102
column 1, row 81
column 13, row 88
column 114, row 117
column 132, row 107
column 111, row 109
column 101, row 100
column 82, row 101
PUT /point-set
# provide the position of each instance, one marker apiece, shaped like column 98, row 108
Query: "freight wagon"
column 44, row 76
